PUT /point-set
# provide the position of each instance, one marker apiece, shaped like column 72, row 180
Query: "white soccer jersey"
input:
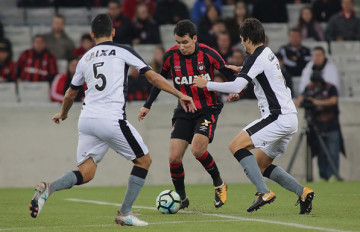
column 262, row 68
column 104, row 68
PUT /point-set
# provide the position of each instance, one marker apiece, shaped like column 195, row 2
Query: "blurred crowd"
column 137, row 22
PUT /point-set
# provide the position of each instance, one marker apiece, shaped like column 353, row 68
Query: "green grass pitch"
column 336, row 207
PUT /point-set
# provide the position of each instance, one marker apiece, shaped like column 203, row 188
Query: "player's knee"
column 174, row 159
column 233, row 148
column 87, row 176
column 198, row 151
column 147, row 161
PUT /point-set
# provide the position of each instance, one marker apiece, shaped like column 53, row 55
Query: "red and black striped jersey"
column 7, row 72
column 183, row 69
column 35, row 67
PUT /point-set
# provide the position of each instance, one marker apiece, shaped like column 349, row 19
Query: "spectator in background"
column 129, row 7
column 85, row 44
column 294, row 55
column 345, row 25
column 223, row 46
column 270, row 11
column 138, row 86
column 310, row 29
column 62, row 82
column 241, row 12
column 7, row 67
column 38, row 63
column 286, row 74
column 57, row 40
column 322, row 65
column 146, row 30
column 219, row 77
column 324, row 9
column 3, row 38
column 124, row 32
column 200, row 6
column 321, row 102
column 206, row 33
column 157, row 61
column 170, row 11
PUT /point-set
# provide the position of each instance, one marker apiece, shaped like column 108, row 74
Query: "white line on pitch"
column 221, row 216
column 109, row 225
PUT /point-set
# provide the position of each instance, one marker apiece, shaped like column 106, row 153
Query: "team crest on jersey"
column 177, row 68
column 201, row 66
column 271, row 57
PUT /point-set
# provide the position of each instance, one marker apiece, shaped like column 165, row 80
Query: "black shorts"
column 185, row 125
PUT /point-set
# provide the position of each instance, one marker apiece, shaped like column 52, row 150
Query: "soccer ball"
column 168, row 202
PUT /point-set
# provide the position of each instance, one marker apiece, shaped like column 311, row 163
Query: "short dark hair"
column 38, row 36
column 252, row 29
column 319, row 48
column 185, row 27
column 295, row 29
column 86, row 36
column 102, row 26
column 117, row 2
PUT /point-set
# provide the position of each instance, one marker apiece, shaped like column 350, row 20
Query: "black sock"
column 178, row 179
column 209, row 164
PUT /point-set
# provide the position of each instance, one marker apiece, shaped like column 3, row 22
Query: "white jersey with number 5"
column 104, row 68
column 262, row 68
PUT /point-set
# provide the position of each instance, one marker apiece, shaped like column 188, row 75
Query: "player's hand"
column 200, row 81
column 236, row 69
column 56, row 118
column 143, row 112
column 187, row 102
column 233, row 97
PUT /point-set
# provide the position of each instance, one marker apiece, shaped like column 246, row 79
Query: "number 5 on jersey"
column 99, row 76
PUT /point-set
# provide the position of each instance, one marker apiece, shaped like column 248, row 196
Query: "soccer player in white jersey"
column 271, row 133
column 102, row 123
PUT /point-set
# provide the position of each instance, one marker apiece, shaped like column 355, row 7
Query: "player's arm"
column 225, row 87
column 161, row 83
column 69, row 98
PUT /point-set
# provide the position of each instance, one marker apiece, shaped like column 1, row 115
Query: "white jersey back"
column 262, row 68
column 104, row 68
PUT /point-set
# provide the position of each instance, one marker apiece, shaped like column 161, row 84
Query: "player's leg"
column 90, row 151
column 199, row 147
column 177, row 151
column 240, row 147
column 126, row 140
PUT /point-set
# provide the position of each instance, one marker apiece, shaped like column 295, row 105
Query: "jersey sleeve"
column 135, row 60
column 216, row 59
column 252, row 67
column 78, row 78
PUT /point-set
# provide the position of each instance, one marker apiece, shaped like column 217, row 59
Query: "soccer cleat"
column 39, row 199
column 129, row 220
column 305, row 200
column 261, row 199
column 184, row 203
column 220, row 195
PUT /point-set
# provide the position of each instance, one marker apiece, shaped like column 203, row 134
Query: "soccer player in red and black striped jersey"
column 183, row 63
column 38, row 63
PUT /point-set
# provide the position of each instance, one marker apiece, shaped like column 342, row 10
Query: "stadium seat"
column 39, row 16
column 277, row 32
column 34, row 92
column 12, row 16
column 345, row 47
column 227, row 11
column 75, row 16
column 189, row 4
column 296, row 83
column 167, row 34
column 97, row 10
column 275, row 45
column 62, row 65
column 146, row 51
column 40, row 29
column 312, row 44
column 8, row 93
column 293, row 13
column 352, row 84
column 75, row 32
column 17, row 50
column 18, row 35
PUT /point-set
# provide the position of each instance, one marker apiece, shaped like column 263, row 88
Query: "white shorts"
column 96, row 135
column 273, row 133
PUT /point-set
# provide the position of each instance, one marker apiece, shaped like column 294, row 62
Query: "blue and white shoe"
column 129, row 220
column 39, row 199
